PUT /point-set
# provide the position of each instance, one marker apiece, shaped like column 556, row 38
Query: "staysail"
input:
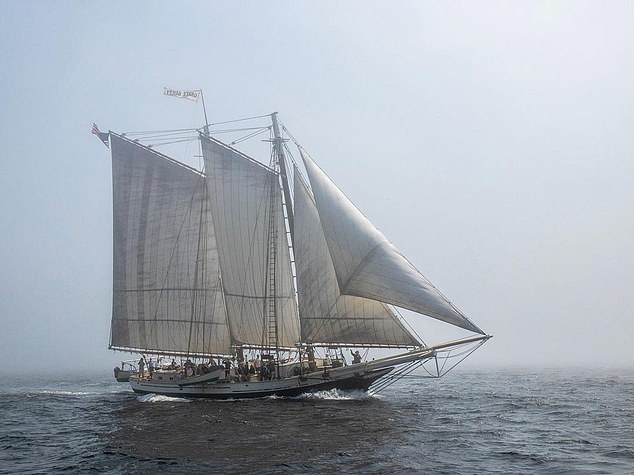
column 240, row 195
column 326, row 315
column 167, row 296
column 366, row 264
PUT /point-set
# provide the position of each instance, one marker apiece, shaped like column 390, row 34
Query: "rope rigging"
column 439, row 371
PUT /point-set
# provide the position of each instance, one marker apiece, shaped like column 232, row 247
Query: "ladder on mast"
column 272, row 264
column 279, row 163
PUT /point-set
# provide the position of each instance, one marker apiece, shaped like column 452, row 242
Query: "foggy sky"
column 491, row 142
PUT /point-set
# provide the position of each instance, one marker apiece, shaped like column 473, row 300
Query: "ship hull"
column 354, row 377
column 348, row 378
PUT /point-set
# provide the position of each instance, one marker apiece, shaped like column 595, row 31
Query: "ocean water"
column 510, row 421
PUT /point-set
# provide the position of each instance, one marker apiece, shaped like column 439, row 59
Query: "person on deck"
column 312, row 364
column 356, row 357
column 271, row 369
column 141, row 366
column 227, row 365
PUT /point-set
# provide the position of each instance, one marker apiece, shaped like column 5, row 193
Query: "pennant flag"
column 102, row 135
column 189, row 95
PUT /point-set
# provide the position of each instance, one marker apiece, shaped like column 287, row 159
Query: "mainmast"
column 270, row 302
column 278, row 150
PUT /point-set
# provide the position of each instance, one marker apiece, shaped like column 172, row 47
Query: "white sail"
column 167, row 296
column 326, row 315
column 240, row 193
column 366, row 264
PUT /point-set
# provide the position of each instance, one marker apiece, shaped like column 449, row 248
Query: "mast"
column 205, row 113
column 278, row 148
column 271, row 330
column 280, row 158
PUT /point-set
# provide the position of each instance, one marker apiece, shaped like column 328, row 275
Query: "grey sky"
column 491, row 142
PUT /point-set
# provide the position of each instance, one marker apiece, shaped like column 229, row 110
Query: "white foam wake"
column 160, row 398
column 337, row 395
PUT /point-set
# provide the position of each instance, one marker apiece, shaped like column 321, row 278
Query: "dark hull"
column 286, row 388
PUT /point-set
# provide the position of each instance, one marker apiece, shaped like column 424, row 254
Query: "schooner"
column 245, row 279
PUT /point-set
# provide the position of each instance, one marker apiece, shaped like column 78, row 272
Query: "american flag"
column 104, row 136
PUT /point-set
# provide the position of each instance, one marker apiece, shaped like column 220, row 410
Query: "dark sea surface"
column 510, row 421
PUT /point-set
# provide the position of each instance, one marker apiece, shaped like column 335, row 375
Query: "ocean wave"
column 418, row 430
column 47, row 392
column 35, row 393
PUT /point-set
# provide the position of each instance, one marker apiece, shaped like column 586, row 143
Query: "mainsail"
column 366, row 264
column 241, row 192
column 326, row 315
column 167, row 296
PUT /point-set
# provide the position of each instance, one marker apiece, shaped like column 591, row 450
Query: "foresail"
column 326, row 315
column 167, row 296
column 240, row 192
column 366, row 264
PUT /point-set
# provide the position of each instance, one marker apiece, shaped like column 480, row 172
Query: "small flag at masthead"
column 104, row 136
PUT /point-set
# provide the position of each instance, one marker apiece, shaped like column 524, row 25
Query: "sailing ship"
column 244, row 279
